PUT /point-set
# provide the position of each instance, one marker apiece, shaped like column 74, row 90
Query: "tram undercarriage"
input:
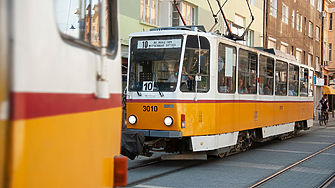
column 183, row 145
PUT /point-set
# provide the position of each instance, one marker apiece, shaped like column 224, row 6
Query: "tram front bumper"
column 158, row 133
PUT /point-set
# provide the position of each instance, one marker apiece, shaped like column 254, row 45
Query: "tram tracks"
column 271, row 177
column 178, row 169
column 151, row 167
column 329, row 182
column 154, row 161
column 157, row 161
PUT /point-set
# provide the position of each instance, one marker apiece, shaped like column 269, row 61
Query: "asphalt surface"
column 247, row 168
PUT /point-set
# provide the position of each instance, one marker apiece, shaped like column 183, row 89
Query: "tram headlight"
column 132, row 119
column 168, row 121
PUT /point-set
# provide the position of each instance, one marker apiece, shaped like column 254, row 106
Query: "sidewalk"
column 330, row 121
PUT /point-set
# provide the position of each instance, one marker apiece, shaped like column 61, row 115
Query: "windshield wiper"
column 138, row 93
column 159, row 91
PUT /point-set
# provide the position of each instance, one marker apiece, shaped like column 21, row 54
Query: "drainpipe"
column 322, row 41
column 265, row 16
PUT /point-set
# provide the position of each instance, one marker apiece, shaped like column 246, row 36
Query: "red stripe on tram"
column 208, row 101
column 36, row 105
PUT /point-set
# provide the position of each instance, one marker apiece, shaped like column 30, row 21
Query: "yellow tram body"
column 59, row 150
column 60, row 95
column 217, row 118
column 189, row 90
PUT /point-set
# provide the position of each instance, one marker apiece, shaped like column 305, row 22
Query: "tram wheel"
column 221, row 155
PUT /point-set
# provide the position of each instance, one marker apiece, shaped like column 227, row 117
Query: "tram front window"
column 154, row 63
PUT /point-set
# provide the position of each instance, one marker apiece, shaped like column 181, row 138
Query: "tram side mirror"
column 202, row 65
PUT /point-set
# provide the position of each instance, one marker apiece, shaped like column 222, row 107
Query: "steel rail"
column 156, row 160
column 168, row 172
column 290, row 167
column 328, row 181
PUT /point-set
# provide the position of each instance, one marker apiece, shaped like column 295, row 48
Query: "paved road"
column 247, row 168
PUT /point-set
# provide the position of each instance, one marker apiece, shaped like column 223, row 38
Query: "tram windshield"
column 154, row 63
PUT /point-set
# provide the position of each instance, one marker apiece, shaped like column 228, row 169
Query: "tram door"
column 4, row 103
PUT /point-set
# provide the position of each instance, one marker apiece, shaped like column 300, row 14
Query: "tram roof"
column 199, row 29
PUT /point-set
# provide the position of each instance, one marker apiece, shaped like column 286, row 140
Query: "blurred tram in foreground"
column 192, row 91
column 60, row 94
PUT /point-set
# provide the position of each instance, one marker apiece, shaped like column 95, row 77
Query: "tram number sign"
column 150, row 108
column 156, row 44
column 148, row 86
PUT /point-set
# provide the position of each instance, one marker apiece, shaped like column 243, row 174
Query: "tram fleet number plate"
column 150, row 108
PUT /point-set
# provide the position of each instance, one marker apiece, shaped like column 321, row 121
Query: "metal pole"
column 332, row 105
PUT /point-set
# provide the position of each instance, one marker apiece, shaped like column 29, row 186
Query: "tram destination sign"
column 154, row 44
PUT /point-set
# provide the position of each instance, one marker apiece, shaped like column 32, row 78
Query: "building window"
column 273, row 8
column 252, row 2
column 331, row 21
column 250, row 38
column 310, row 59
column 293, row 18
column 284, row 47
column 271, row 43
column 317, row 64
column 285, row 14
column 310, row 29
column 317, row 33
column 238, row 28
column 149, row 11
column 311, row 2
column 319, row 5
column 187, row 11
column 305, row 26
column 299, row 23
column 298, row 55
column 325, row 51
column 330, row 52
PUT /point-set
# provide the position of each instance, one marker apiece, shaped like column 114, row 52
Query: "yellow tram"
column 60, row 94
column 192, row 91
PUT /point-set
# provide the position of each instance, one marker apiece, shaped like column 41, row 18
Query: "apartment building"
column 329, row 41
column 295, row 27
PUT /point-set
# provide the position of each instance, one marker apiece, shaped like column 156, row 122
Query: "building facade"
column 329, row 41
column 295, row 27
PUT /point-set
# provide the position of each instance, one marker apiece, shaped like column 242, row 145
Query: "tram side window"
column 303, row 82
column 227, row 68
column 266, row 75
column 281, row 78
column 192, row 65
column 293, row 80
column 80, row 19
column 311, row 83
column 247, row 72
